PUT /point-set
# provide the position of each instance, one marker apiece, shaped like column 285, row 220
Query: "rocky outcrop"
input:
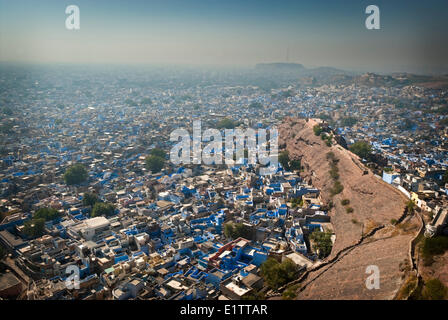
column 374, row 203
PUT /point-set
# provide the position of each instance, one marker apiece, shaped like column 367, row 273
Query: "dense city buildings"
column 92, row 207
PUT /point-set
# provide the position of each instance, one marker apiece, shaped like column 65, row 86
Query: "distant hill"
column 401, row 79
column 280, row 66
column 329, row 75
column 297, row 67
column 306, row 76
column 329, row 70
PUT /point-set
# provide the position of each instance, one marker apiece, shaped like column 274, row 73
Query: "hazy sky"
column 413, row 35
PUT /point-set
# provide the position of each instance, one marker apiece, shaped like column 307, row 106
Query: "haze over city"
column 229, row 33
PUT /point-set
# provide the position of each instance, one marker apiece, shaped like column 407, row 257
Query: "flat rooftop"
column 300, row 260
column 240, row 291
column 11, row 239
column 8, row 280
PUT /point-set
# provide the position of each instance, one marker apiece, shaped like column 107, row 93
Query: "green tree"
column 317, row 130
column 434, row 289
column 154, row 163
column 410, row 205
column 328, row 141
column 295, row 164
column 334, row 172
column 445, row 177
column 158, row 152
column 337, row 188
column 254, row 295
column 103, row 209
column 277, row 274
column 146, row 101
column 228, row 230
column 226, row 123
column 348, row 122
column 89, row 199
column 290, row 293
column 48, row 214
column 256, row 105
column 130, row 102
column 235, row 230
column 34, row 228
column 361, row 149
column 283, row 158
column 76, row 174
column 322, row 242
column 297, row 202
column 433, row 246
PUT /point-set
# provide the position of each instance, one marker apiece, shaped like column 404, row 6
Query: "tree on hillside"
column 295, row 164
column 322, row 242
column 277, row 274
column 434, row 289
column 432, row 247
column 76, row 174
column 317, row 130
column 410, row 205
column 283, row 158
column 362, row 149
column 287, row 163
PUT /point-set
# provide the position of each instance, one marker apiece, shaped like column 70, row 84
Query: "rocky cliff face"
column 374, row 204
